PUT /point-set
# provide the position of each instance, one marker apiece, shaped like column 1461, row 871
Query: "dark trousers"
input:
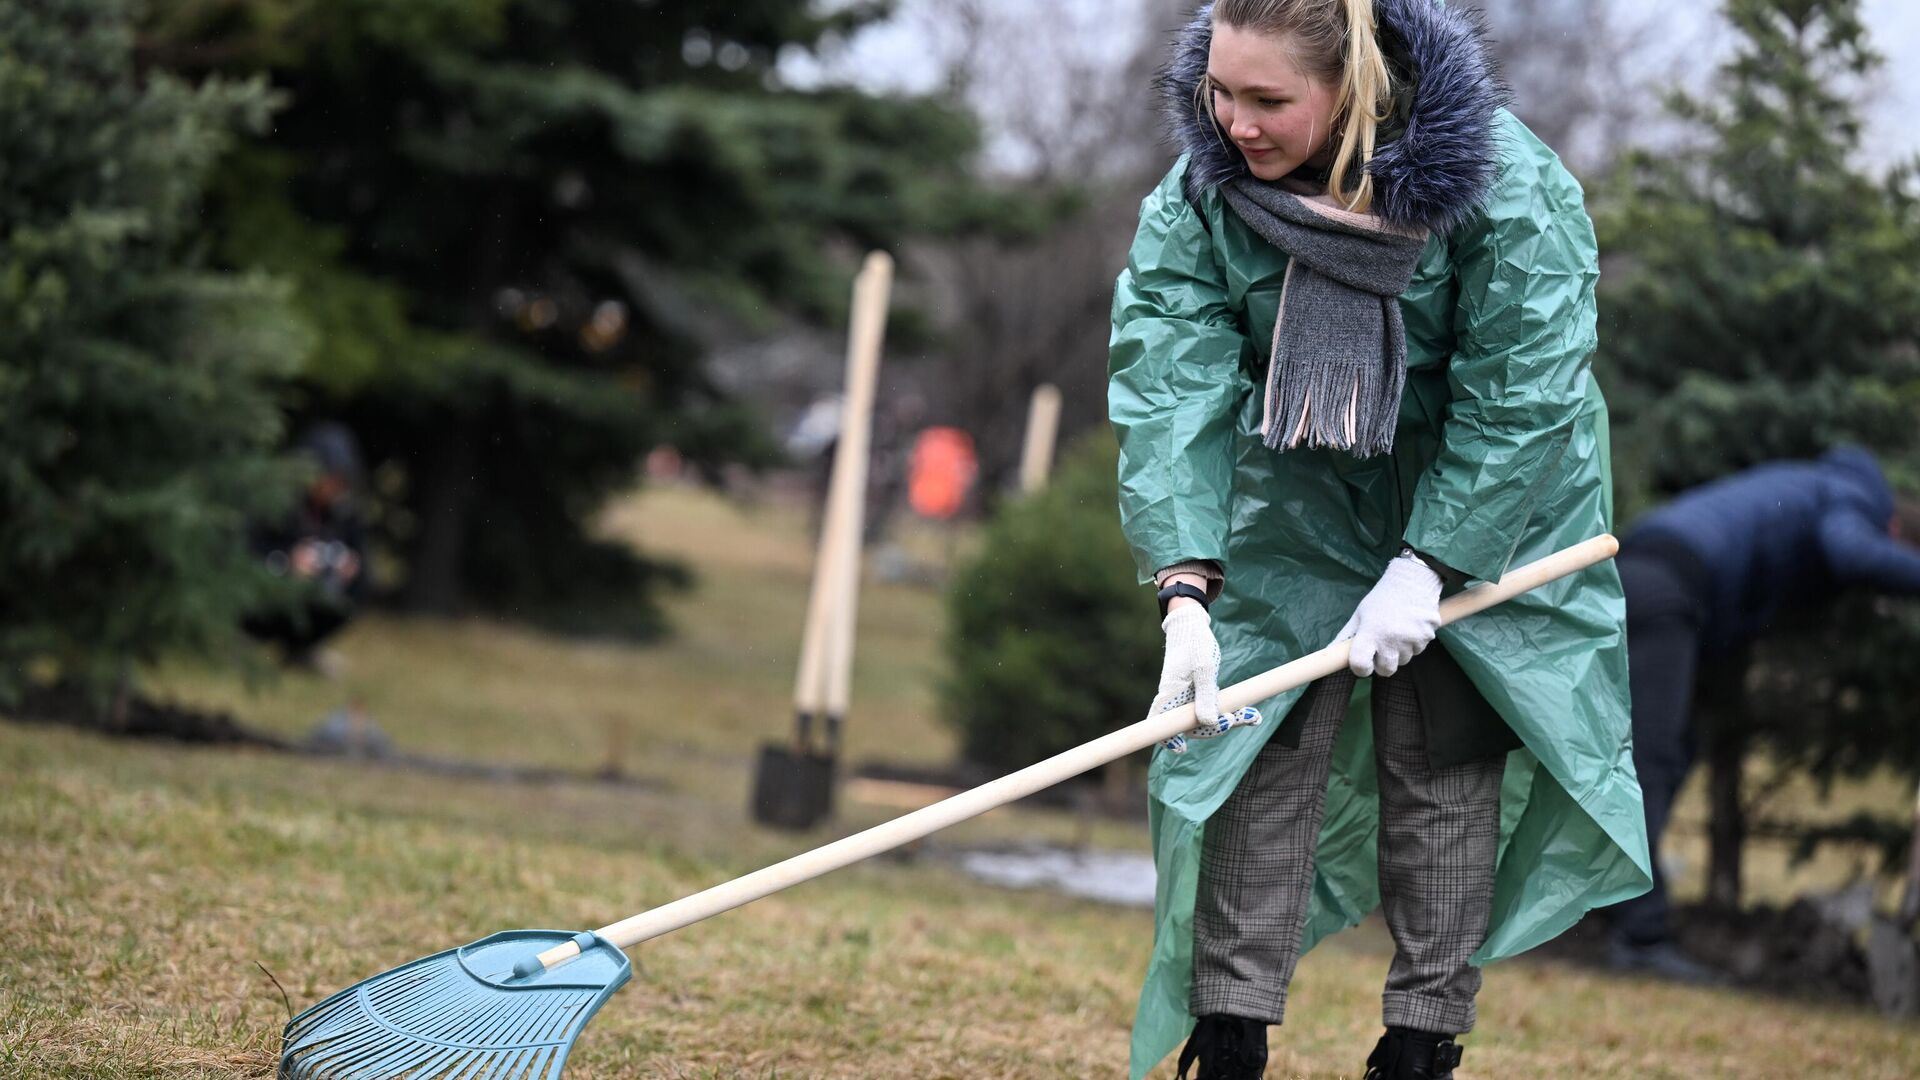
column 1439, row 836
column 1666, row 612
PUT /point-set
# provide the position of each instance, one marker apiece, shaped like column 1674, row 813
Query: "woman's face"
column 1277, row 116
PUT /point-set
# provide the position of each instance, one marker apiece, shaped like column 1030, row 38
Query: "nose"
column 1245, row 133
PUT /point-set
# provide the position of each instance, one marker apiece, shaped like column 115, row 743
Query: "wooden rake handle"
column 1155, row 729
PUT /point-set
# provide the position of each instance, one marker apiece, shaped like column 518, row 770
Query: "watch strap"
column 1180, row 588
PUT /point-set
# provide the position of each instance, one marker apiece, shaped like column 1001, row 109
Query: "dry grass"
column 153, row 879
column 143, row 887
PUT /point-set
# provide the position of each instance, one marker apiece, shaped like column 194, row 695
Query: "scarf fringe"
column 1335, row 405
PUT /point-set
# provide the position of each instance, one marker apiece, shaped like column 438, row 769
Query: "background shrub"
column 1051, row 640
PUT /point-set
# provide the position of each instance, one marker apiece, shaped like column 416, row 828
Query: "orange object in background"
column 942, row 472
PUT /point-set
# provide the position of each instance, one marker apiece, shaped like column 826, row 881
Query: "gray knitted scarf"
column 1339, row 357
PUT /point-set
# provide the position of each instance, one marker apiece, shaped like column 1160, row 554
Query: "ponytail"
column 1366, row 92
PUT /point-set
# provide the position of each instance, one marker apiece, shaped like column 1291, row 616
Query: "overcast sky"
column 899, row 55
column 1896, row 122
column 1893, row 131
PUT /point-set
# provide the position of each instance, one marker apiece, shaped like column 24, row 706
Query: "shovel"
column 509, row 1006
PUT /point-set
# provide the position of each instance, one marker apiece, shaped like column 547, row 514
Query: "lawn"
column 158, row 899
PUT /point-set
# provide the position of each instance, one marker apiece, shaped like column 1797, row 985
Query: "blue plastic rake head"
column 462, row 1014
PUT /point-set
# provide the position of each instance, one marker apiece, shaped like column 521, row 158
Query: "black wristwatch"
column 1450, row 578
column 1180, row 588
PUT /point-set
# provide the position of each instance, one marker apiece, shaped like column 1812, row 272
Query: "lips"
column 1253, row 153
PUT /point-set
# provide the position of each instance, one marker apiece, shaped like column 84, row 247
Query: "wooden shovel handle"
column 826, row 649
column 1159, row 728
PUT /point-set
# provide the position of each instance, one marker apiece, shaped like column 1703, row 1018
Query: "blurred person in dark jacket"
column 1704, row 576
column 322, row 543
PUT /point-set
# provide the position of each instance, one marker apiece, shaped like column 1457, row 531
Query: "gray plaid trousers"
column 1439, row 835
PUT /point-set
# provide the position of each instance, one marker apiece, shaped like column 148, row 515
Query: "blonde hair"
column 1335, row 43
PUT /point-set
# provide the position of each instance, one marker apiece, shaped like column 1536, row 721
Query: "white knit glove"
column 1191, row 670
column 1396, row 620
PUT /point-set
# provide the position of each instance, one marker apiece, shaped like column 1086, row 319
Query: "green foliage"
column 1763, row 301
column 137, row 389
column 1834, row 695
column 514, row 222
column 1763, row 291
column 1051, row 640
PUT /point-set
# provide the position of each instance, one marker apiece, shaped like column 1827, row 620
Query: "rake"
column 509, row 1006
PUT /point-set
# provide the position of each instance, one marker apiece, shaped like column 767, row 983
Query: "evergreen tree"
column 1763, row 301
column 1761, row 298
column 137, row 389
column 516, row 221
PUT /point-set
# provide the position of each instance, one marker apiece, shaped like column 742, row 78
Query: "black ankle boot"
column 1406, row 1054
column 1227, row 1048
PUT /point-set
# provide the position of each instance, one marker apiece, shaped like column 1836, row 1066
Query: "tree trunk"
column 1725, row 737
column 446, row 484
column 1727, row 829
column 120, row 707
column 1116, row 785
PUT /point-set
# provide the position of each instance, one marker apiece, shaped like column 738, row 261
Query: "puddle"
column 1115, row 877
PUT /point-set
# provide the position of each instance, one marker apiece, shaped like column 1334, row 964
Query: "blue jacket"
column 1782, row 536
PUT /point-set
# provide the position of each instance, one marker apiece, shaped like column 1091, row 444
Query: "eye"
column 1272, row 103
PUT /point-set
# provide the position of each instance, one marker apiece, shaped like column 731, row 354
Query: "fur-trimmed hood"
column 1439, row 151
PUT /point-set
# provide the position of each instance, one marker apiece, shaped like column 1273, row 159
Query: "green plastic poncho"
column 1501, row 457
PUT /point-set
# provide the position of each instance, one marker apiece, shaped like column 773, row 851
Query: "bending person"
column 1349, row 372
column 1707, row 574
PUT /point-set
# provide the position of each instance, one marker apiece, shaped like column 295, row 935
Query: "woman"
column 1349, row 371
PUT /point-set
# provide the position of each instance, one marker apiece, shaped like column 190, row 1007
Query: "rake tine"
column 458, row 1015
